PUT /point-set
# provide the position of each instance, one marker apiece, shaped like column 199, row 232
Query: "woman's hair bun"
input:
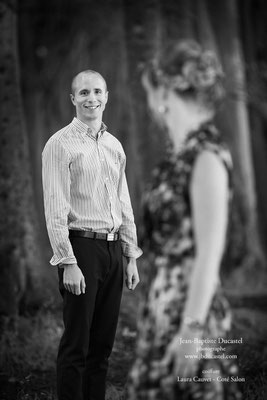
column 189, row 70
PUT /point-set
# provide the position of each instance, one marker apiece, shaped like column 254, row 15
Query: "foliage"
column 30, row 343
column 28, row 350
column 252, row 354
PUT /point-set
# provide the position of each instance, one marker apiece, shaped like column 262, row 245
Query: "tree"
column 234, row 121
column 253, row 17
column 135, row 31
column 21, row 258
column 142, row 32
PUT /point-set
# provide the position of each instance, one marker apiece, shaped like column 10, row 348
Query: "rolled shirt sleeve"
column 56, row 189
column 128, row 228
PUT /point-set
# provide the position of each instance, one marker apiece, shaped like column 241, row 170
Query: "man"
column 90, row 225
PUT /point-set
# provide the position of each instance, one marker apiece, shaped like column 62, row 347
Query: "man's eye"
column 83, row 92
column 98, row 91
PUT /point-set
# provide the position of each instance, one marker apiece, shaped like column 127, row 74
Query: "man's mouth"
column 91, row 107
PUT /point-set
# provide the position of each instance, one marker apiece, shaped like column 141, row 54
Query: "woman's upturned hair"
column 190, row 71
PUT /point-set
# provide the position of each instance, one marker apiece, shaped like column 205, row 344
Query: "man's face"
column 90, row 97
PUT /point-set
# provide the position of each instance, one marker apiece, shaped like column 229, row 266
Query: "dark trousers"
column 90, row 320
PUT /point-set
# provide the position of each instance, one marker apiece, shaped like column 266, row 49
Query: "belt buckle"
column 110, row 237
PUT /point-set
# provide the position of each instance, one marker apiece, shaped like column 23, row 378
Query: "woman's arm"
column 209, row 202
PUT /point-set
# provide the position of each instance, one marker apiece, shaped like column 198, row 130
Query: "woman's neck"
column 182, row 125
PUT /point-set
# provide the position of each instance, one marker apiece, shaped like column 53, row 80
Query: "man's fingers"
column 77, row 289
column 132, row 277
column 129, row 282
column 73, row 288
column 67, row 287
column 83, row 285
column 72, row 280
column 135, row 281
column 132, row 281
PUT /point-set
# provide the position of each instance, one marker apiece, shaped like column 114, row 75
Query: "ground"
column 28, row 358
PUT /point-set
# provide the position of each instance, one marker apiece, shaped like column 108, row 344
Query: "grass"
column 27, row 359
column 29, row 345
column 28, row 349
column 251, row 325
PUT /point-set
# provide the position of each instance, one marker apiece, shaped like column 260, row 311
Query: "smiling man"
column 90, row 225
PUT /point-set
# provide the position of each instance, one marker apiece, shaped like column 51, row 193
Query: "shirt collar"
column 83, row 128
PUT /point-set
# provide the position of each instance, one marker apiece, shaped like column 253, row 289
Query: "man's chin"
column 89, row 117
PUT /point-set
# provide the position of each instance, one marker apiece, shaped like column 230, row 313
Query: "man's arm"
column 128, row 233
column 56, row 189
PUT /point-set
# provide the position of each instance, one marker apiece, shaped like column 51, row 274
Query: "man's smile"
column 94, row 107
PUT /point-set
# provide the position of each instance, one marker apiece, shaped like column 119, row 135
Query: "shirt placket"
column 108, row 182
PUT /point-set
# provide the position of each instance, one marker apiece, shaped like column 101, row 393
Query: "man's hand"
column 132, row 276
column 73, row 279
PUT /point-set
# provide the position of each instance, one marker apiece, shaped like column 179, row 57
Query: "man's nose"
column 91, row 96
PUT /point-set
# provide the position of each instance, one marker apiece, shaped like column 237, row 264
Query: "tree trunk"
column 142, row 27
column 179, row 20
column 253, row 36
column 204, row 28
column 234, row 120
column 19, row 252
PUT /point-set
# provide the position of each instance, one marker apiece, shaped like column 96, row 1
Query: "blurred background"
column 43, row 44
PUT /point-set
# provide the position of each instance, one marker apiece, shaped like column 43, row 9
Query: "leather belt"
column 110, row 237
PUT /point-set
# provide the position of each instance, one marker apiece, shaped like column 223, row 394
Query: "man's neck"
column 94, row 125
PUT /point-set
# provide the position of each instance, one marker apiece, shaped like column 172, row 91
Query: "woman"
column 186, row 215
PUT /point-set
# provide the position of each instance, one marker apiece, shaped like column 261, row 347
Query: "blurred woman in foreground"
column 186, row 218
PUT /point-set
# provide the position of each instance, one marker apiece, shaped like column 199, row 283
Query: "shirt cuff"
column 55, row 260
column 131, row 250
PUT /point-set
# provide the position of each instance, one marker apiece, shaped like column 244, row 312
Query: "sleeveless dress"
column 170, row 251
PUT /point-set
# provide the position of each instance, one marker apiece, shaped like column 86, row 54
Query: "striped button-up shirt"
column 85, row 188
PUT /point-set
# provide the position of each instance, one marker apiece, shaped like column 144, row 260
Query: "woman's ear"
column 145, row 81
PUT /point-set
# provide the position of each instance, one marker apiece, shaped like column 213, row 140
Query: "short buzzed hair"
column 86, row 72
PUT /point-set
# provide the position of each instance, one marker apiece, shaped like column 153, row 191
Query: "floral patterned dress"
column 170, row 255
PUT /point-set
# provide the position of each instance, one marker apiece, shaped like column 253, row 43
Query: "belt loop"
column 94, row 235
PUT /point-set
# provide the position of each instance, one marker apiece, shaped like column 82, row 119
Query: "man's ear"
column 107, row 93
column 72, row 98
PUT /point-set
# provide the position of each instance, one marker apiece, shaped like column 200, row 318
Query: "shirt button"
column 106, row 178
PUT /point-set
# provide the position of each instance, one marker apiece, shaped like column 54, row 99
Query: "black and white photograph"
column 133, row 200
